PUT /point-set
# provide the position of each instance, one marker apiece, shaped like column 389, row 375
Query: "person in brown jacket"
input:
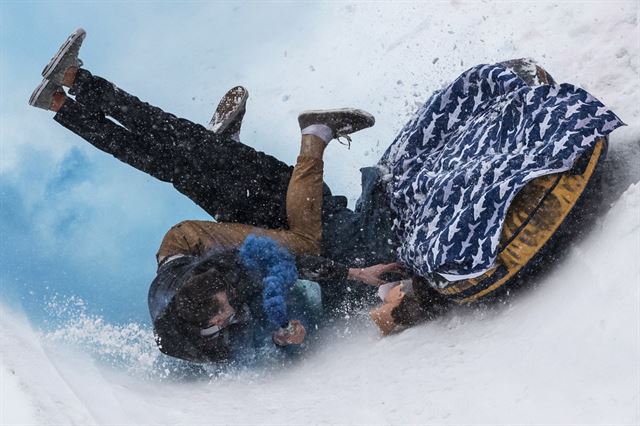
column 204, row 289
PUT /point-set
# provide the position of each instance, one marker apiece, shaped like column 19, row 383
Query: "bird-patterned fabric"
column 453, row 170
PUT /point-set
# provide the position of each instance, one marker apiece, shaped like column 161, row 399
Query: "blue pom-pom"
column 278, row 269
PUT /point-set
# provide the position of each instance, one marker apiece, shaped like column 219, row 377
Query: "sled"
column 534, row 221
column 536, row 215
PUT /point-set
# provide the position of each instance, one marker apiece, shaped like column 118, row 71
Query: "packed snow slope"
column 565, row 350
column 564, row 353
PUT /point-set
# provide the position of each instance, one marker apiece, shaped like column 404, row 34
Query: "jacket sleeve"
column 319, row 269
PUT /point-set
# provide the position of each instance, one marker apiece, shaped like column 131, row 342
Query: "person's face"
column 224, row 313
column 382, row 315
column 395, row 295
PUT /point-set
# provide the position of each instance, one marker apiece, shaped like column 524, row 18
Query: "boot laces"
column 346, row 142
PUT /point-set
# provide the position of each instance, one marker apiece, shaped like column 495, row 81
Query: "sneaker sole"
column 311, row 115
column 35, row 96
column 55, row 61
column 37, row 92
column 222, row 125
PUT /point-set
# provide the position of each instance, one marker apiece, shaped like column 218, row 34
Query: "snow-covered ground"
column 566, row 351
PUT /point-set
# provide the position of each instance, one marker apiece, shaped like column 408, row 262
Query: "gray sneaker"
column 66, row 57
column 43, row 95
column 227, row 118
column 343, row 121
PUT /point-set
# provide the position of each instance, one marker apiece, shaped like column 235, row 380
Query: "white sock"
column 322, row 131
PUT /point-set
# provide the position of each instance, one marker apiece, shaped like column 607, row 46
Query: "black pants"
column 230, row 181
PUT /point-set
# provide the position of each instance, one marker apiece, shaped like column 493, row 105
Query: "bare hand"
column 371, row 275
column 292, row 335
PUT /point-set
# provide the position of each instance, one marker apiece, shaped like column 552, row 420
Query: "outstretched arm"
column 374, row 275
column 317, row 268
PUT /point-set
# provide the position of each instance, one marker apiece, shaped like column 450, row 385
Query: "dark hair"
column 193, row 304
column 195, row 301
column 218, row 270
column 426, row 305
column 408, row 312
column 182, row 340
column 241, row 284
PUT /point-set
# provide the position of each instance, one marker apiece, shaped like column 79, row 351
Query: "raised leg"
column 108, row 136
column 231, row 181
column 304, row 194
column 305, row 191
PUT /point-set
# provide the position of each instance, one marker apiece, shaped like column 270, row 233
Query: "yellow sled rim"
column 533, row 218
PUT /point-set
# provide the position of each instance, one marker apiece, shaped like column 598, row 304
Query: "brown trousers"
column 304, row 214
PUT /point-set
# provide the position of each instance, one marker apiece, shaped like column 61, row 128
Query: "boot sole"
column 224, row 124
column 55, row 61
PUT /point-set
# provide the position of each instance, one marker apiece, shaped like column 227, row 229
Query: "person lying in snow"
column 214, row 282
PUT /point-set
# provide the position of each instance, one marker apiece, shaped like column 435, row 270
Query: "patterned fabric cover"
column 453, row 170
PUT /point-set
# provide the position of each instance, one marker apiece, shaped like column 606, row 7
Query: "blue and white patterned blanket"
column 454, row 169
